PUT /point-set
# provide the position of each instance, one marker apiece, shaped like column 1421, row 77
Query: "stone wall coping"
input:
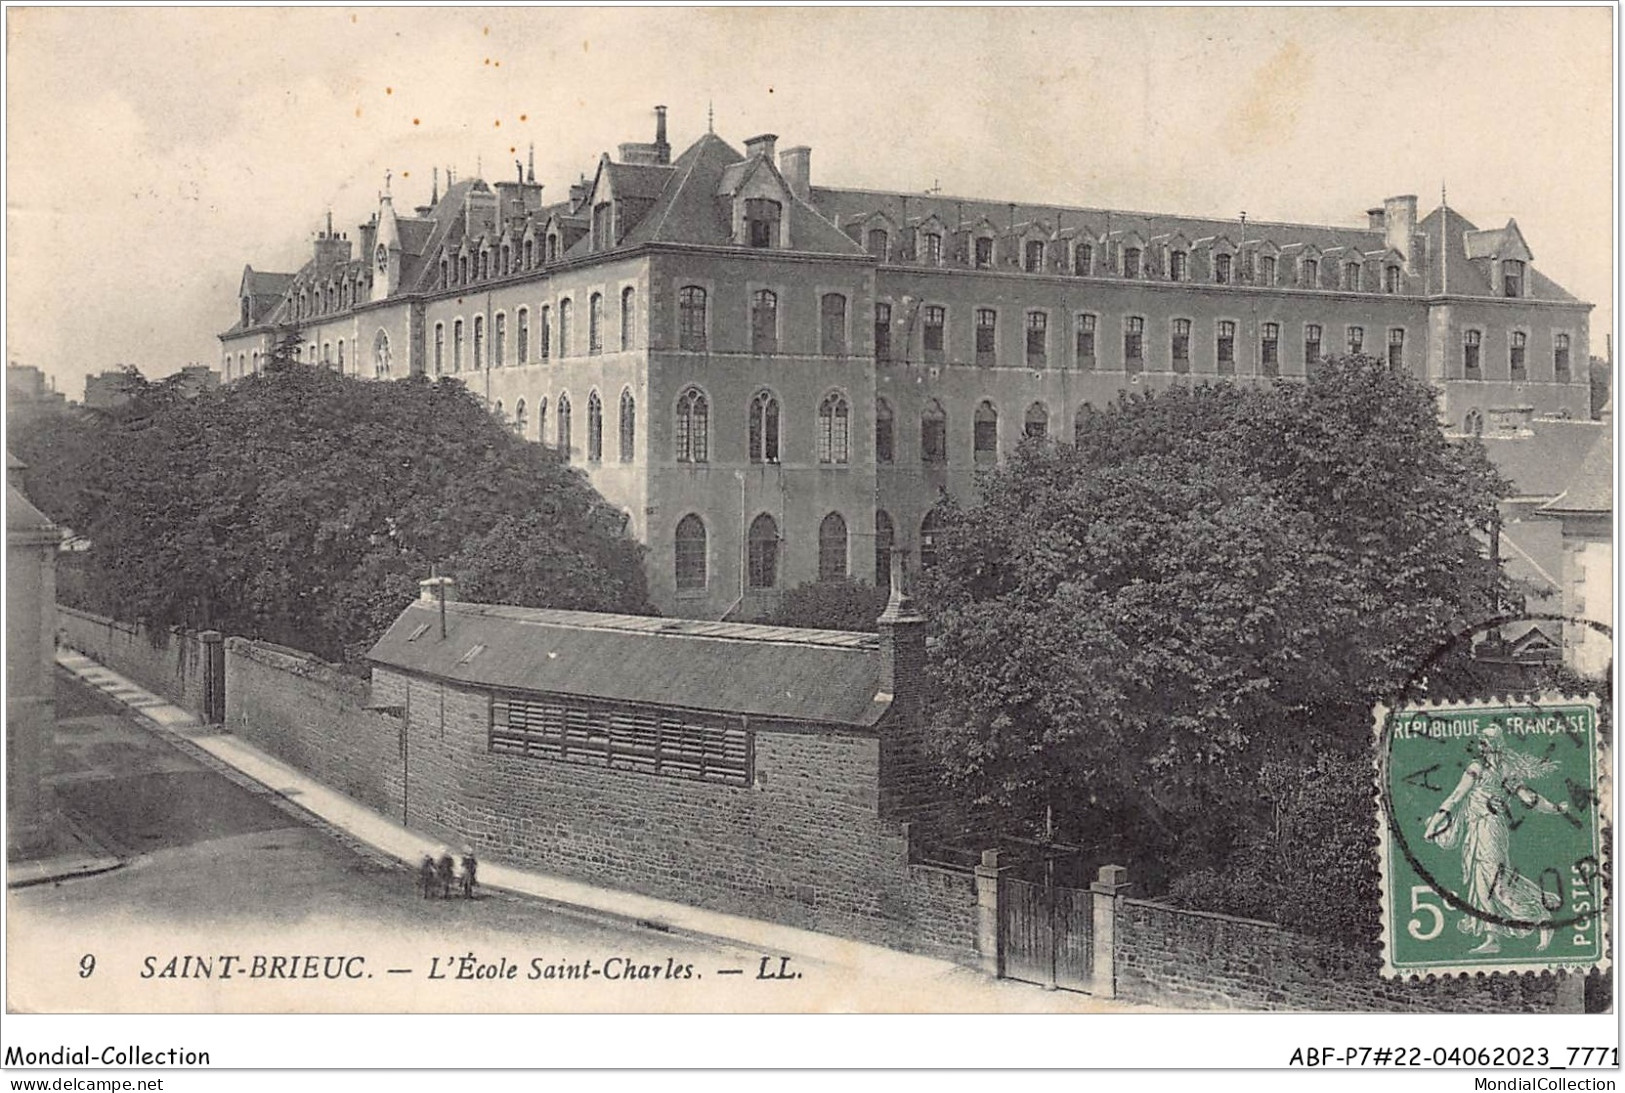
column 1217, row 916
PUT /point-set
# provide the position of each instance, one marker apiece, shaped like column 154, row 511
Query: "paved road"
column 212, row 869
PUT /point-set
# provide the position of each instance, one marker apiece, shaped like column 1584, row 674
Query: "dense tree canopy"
column 303, row 507
column 1213, row 579
column 843, row 604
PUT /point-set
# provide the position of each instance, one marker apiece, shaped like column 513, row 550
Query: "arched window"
column 439, row 348
column 832, row 325
column 522, row 333
column 629, row 425
column 929, row 529
column 764, row 322
column 595, row 428
column 457, row 346
column 595, row 323
column 519, row 418
column 1473, row 424
column 445, row 273
column 499, row 346
column 884, row 452
column 834, row 429
column 689, row 560
column 885, row 535
column 545, row 330
column 341, row 356
column 985, row 434
column 629, row 319
column 693, row 426
column 691, row 317
column 933, row 433
column 566, row 308
column 541, row 419
column 380, row 354
column 832, row 548
column 479, row 343
column 462, row 269
column 764, row 428
column 564, row 425
column 530, row 253
column 1036, row 426
column 763, row 552
column 498, row 412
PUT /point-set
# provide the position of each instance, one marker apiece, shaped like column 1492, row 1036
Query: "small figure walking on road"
column 426, row 875
column 447, row 868
column 470, row 865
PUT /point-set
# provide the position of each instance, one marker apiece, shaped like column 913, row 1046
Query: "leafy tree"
column 1213, row 578
column 302, row 506
column 1602, row 379
column 831, row 605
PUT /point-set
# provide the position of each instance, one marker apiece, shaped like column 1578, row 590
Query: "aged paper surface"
column 151, row 154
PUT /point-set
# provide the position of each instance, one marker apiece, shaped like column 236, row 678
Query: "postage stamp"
column 1490, row 829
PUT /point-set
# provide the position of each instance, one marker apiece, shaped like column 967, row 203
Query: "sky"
column 151, row 154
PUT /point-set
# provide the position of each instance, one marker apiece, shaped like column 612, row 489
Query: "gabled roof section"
column 821, row 676
column 255, row 283
column 1507, row 242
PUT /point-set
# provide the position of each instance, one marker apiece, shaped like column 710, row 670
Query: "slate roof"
column 821, row 676
column 21, row 515
column 1591, row 492
column 1545, row 462
column 1450, row 268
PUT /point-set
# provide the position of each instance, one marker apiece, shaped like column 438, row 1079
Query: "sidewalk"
column 376, row 836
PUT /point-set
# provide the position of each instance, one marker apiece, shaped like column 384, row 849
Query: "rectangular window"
column 1131, row 262
column 1512, row 278
column 1269, row 350
column 1560, row 357
column 545, row 330
column 1396, row 348
column 1471, row 363
column 457, row 346
column 1390, row 279
column 691, row 318
column 984, row 253
column 761, row 222
column 933, row 249
column 1182, row 345
column 1035, row 256
column 523, row 346
column 1266, row 270
column 936, row 321
column 832, row 325
column 1311, row 348
column 1227, row 347
column 439, row 348
column 1221, row 269
column 1037, row 339
column 1176, row 266
column 479, row 342
column 986, row 335
column 1520, row 343
column 499, row 348
column 882, row 332
column 1356, row 339
column 1133, row 344
column 595, row 323
column 1086, row 341
column 690, row 746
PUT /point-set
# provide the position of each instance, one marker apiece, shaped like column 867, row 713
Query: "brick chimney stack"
column 795, row 164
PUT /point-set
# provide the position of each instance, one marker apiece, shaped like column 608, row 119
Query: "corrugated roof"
column 764, row 671
column 1544, row 462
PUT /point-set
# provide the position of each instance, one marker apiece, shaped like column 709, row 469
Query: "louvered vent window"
column 690, row 746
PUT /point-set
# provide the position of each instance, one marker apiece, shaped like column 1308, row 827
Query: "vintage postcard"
column 809, row 510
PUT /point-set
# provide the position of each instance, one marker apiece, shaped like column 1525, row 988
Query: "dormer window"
column 879, row 244
column 1266, row 269
column 1083, row 260
column 601, row 226
column 1131, row 262
column 245, row 310
column 1221, row 269
column 933, row 248
column 1310, row 268
column 1351, row 277
column 1512, row 277
column 1390, row 279
column 552, row 248
column 984, row 252
column 1035, row 256
column 762, row 222
column 1176, row 265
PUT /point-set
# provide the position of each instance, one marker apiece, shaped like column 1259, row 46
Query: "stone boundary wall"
column 314, row 717
column 1171, row 956
column 170, row 662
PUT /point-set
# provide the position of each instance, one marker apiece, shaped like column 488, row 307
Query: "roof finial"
column 479, row 166
column 710, row 116
column 330, row 223
column 530, row 171
column 434, row 194
column 1444, row 200
column 388, row 174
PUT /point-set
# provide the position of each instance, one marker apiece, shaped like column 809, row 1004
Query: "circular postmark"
column 1492, row 803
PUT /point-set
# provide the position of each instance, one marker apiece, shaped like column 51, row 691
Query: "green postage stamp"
column 1490, row 824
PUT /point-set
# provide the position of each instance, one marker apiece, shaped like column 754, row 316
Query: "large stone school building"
column 776, row 380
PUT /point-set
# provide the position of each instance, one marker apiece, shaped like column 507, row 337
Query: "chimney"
column 763, row 145
column 1399, row 224
column 429, row 589
column 1374, row 219
column 795, row 164
column 662, row 148
column 908, row 783
column 331, row 248
column 578, row 194
column 369, row 233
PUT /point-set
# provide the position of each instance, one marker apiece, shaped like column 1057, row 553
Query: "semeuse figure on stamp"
column 1475, row 817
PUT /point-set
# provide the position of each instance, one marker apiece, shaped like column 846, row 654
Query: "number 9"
column 87, row 965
